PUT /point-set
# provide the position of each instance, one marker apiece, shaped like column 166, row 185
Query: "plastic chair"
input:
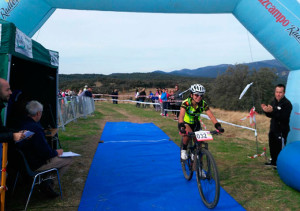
column 36, row 176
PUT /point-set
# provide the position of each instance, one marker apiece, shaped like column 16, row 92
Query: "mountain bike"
column 202, row 161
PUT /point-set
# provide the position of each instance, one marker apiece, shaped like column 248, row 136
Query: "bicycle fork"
column 196, row 152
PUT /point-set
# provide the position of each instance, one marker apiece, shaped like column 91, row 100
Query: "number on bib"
column 203, row 135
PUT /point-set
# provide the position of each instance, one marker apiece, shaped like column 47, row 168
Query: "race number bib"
column 203, row 135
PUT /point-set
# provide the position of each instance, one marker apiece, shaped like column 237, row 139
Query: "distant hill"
column 213, row 71
column 160, row 78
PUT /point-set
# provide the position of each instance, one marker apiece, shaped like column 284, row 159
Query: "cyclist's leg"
column 186, row 139
column 185, row 142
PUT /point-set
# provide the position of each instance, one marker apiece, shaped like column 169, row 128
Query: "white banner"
column 23, row 44
column 245, row 90
column 54, row 58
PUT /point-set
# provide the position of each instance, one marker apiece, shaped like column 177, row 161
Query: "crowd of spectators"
column 163, row 100
column 86, row 91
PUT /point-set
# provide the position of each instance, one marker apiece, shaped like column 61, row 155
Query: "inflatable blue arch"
column 274, row 23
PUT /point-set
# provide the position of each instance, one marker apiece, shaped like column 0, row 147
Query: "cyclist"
column 189, row 117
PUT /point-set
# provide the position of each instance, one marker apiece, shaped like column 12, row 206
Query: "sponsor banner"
column 7, row 6
column 23, row 44
column 280, row 17
column 276, row 13
column 54, row 58
column 294, row 32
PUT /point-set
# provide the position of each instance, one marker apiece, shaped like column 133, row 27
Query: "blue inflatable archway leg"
column 288, row 165
column 293, row 94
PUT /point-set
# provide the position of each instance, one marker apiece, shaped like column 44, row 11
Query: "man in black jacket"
column 279, row 111
column 6, row 134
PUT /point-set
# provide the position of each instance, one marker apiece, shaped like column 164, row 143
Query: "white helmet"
column 197, row 88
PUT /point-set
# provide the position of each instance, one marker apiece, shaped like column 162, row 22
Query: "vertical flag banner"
column 245, row 90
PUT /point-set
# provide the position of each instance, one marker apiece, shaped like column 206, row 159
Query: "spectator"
column 171, row 102
column 150, row 95
column 137, row 94
column 142, row 97
column 38, row 153
column 279, row 111
column 85, row 88
column 152, row 98
column 6, row 134
column 115, row 96
column 88, row 92
column 164, row 100
column 160, row 102
column 157, row 100
column 178, row 99
column 80, row 91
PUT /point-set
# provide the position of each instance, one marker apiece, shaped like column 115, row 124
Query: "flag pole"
column 241, row 95
column 255, row 132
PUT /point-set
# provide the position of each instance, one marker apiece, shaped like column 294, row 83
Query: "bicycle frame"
column 202, row 162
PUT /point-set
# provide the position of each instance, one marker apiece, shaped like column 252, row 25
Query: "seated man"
column 36, row 149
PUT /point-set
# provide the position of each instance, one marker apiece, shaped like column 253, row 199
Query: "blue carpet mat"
column 138, row 168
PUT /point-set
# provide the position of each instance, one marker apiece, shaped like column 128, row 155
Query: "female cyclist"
column 189, row 117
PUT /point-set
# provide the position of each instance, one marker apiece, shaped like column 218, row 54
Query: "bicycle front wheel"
column 208, row 178
column 186, row 165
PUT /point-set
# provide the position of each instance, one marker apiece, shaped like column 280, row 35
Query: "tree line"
column 222, row 92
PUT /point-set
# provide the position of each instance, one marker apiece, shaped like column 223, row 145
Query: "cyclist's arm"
column 181, row 115
column 211, row 116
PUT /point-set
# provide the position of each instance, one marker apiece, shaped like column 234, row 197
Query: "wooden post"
column 3, row 175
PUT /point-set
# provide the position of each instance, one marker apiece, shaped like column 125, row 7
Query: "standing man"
column 6, row 134
column 142, row 97
column 115, row 96
column 178, row 100
column 279, row 111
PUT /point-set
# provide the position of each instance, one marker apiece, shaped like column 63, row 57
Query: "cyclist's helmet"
column 197, row 89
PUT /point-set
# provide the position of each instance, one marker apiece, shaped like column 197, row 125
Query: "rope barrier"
column 146, row 96
column 202, row 115
column 133, row 101
column 259, row 155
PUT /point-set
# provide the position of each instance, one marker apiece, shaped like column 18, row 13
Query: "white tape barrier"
column 172, row 110
column 202, row 115
column 133, row 101
column 228, row 123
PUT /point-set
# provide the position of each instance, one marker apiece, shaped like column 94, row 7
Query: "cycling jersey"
column 191, row 114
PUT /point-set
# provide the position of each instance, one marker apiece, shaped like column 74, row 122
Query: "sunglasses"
column 196, row 95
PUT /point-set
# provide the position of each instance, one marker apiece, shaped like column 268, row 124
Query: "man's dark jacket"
column 36, row 149
column 6, row 134
column 178, row 97
column 280, row 116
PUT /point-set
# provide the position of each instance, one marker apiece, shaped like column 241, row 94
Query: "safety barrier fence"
column 158, row 107
column 72, row 107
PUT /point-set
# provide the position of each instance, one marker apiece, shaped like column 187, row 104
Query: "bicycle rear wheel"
column 208, row 178
column 186, row 165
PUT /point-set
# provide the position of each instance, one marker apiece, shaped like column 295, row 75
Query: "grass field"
column 253, row 185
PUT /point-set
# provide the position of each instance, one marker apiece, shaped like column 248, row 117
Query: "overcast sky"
column 116, row 42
